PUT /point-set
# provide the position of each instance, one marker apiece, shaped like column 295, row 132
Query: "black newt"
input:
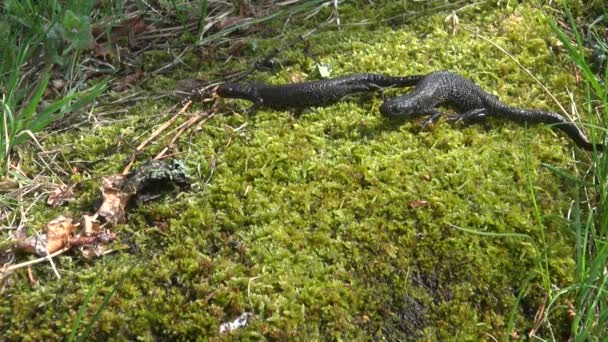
column 448, row 88
column 311, row 94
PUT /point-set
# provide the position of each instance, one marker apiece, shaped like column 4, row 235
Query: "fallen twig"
column 32, row 262
column 203, row 115
column 153, row 136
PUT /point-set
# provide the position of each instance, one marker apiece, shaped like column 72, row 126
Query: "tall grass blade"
column 105, row 303
column 82, row 311
column 26, row 114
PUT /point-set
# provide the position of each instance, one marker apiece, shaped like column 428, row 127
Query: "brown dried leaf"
column 93, row 251
column 96, row 245
column 36, row 244
column 114, row 200
column 91, row 225
column 58, row 233
column 61, row 195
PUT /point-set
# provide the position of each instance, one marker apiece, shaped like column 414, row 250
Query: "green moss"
column 338, row 224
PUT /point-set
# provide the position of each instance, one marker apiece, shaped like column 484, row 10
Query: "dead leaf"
column 94, row 251
column 114, row 200
column 91, row 225
column 58, row 233
column 61, row 195
column 95, row 245
column 34, row 244
column 56, row 237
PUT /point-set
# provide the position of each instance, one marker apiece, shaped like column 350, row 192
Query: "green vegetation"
column 591, row 226
column 31, row 35
column 341, row 224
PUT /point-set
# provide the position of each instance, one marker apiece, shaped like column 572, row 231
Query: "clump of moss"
column 339, row 224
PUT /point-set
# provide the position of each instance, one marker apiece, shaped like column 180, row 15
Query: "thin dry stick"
column 521, row 66
column 35, row 261
column 54, row 268
column 182, row 129
column 153, row 136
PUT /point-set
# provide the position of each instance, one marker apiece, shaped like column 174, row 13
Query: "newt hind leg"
column 473, row 114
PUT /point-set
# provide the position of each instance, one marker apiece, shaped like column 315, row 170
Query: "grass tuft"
column 589, row 311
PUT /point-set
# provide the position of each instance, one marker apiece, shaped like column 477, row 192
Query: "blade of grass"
column 26, row 114
column 567, row 176
column 82, row 311
column 545, row 261
column 58, row 108
column 105, row 303
column 520, row 295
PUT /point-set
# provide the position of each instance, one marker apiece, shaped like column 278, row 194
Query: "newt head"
column 399, row 106
column 236, row 91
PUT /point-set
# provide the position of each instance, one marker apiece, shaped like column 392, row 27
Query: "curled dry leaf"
column 34, row 244
column 91, row 225
column 58, row 233
column 61, row 195
column 90, row 252
column 94, row 245
column 57, row 237
column 114, row 200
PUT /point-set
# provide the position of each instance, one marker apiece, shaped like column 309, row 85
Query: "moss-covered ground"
column 338, row 224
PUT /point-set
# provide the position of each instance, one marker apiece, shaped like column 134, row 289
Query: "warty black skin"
column 311, row 94
column 447, row 88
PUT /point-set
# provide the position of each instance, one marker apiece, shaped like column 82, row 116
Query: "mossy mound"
column 340, row 223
